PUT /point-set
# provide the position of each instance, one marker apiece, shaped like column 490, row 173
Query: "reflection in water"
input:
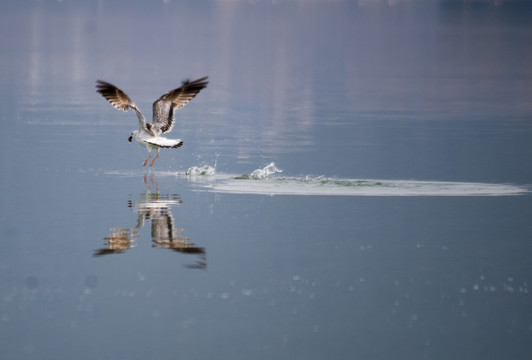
column 119, row 241
column 155, row 207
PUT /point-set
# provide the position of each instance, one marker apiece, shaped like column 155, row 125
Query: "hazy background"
column 290, row 69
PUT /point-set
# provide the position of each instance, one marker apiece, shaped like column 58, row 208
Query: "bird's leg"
column 148, row 158
column 154, row 157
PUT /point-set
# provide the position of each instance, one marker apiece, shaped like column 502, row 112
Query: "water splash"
column 201, row 170
column 260, row 174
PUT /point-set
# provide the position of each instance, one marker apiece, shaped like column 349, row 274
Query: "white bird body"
column 148, row 134
column 151, row 142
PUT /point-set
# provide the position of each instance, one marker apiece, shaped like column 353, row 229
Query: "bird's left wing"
column 119, row 99
column 164, row 107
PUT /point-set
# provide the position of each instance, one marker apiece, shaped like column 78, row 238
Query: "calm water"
column 394, row 222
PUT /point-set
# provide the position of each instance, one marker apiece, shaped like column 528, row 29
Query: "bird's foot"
column 154, row 159
column 146, row 161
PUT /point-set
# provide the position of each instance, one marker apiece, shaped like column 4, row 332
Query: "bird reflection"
column 118, row 241
column 153, row 207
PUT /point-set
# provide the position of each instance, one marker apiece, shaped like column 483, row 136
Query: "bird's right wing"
column 119, row 100
column 164, row 107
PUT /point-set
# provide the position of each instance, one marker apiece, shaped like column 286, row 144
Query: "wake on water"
column 266, row 181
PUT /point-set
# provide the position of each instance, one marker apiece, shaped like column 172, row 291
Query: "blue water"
column 355, row 181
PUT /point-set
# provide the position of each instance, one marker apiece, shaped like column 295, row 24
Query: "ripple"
column 265, row 182
column 268, row 181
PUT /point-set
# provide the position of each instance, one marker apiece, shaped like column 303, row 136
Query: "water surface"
column 354, row 182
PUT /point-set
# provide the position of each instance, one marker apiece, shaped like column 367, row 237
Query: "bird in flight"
column 148, row 134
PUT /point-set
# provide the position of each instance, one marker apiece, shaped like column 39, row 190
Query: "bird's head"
column 132, row 136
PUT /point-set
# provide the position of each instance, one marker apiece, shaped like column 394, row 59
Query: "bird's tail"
column 178, row 143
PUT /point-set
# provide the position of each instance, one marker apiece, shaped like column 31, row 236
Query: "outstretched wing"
column 164, row 107
column 115, row 96
column 119, row 99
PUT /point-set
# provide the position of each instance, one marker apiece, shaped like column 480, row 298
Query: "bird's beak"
column 130, row 138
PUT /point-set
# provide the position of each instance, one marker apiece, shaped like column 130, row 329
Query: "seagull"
column 148, row 134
